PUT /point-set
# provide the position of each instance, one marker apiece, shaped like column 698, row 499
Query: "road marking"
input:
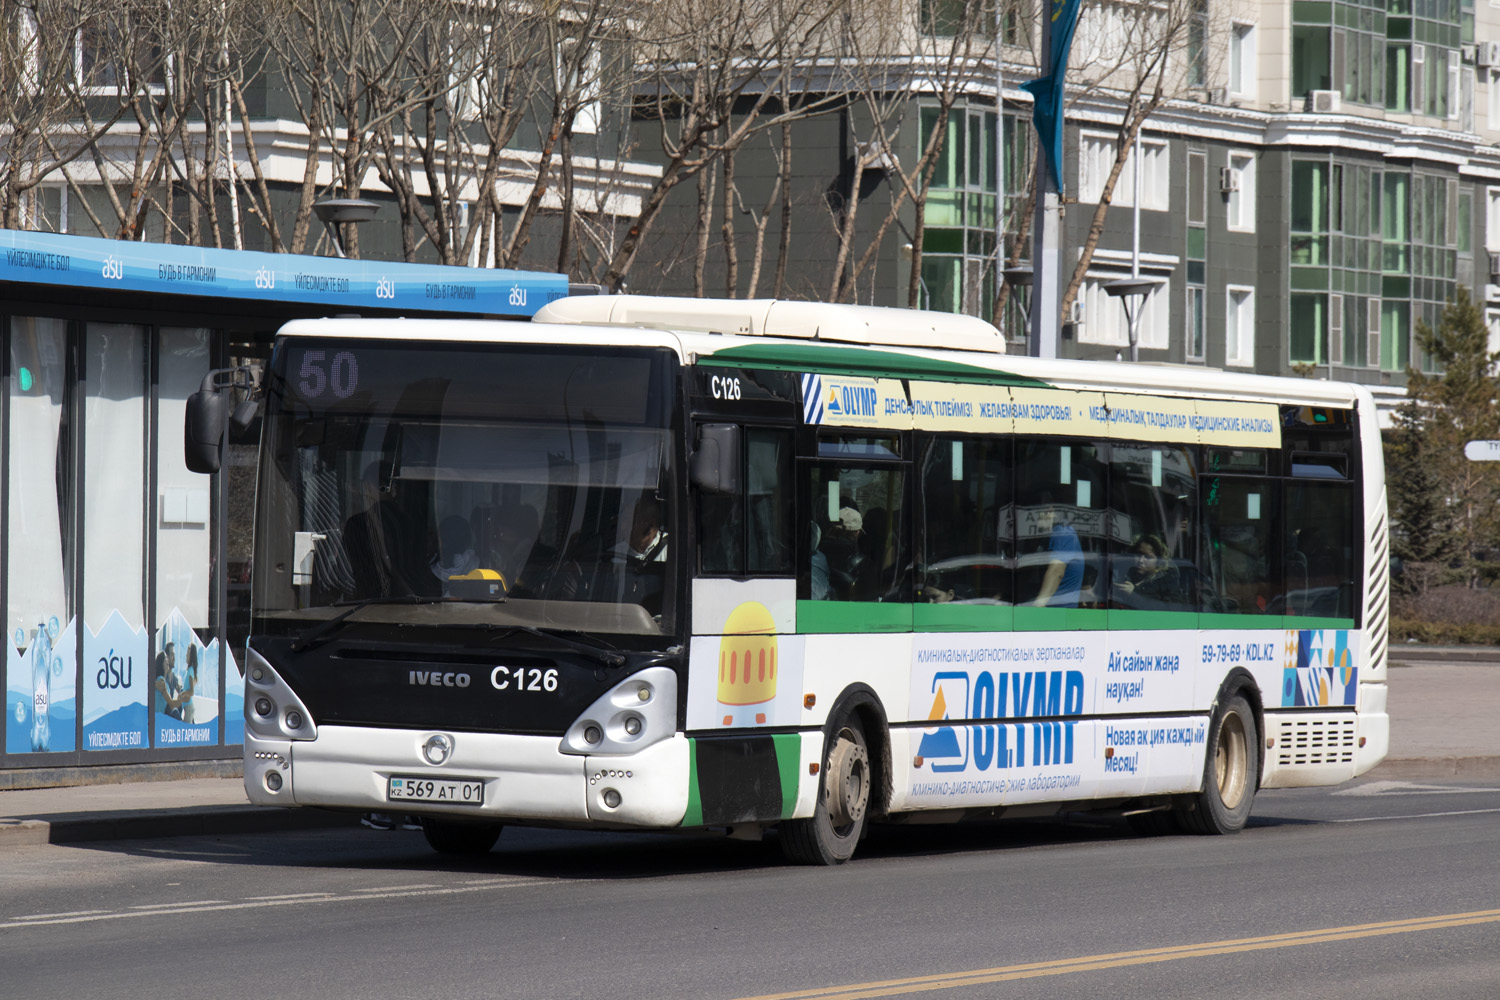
column 399, row 888
column 173, row 906
column 255, row 903
column 1370, row 788
column 1382, row 819
column 72, row 913
column 1094, row 963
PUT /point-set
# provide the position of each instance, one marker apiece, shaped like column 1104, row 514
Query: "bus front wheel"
column 456, row 837
column 1231, row 771
column 830, row 835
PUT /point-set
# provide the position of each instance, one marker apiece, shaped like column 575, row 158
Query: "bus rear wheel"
column 448, row 836
column 830, row 835
column 1230, row 774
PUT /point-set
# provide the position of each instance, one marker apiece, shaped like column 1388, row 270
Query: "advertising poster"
column 41, row 694
column 234, row 694
column 184, row 687
column 116, row 676
column 749, row 676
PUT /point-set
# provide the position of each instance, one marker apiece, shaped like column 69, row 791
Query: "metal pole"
column 1000, row 186
column 1046, row 288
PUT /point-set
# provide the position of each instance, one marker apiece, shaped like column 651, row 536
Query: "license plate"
column 441, row 790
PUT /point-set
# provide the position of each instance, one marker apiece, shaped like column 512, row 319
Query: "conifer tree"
column 1445, row 510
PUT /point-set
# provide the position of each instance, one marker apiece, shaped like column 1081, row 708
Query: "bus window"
column 1060, row 530
column 1242, row 552
column 1153, row 496
column 858, row 549
column 1320, row 563
column 750, row 533
column 968, row 535
column 768, row 500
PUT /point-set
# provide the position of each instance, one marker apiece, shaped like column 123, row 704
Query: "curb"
column 194, row 822
column 1399, row 654
column 1436, row 767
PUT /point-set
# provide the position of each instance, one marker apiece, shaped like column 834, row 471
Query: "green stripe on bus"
column 1291, row 622
column 852, row 616
column 694, row 814
column 859, row 361
column 963, row 618
column 823, row 617
column 1121, row 619
column 789, row 761
column 1029, row 619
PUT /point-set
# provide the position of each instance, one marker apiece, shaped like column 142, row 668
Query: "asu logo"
column 747, row 664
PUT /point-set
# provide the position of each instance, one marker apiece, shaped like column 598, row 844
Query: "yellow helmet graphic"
column 747, row 656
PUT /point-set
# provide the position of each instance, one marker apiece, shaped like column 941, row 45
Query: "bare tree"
column 1140, row 57
column 709, row 74
column 48, row 58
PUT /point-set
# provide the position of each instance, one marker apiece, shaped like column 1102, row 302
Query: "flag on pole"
column 1047, row 92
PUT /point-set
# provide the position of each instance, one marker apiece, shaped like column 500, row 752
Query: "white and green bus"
column 658, row 563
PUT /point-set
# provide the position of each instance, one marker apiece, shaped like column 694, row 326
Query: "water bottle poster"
column 234, row 694
column 41, row 690
column 184, row 687
column 116, row 677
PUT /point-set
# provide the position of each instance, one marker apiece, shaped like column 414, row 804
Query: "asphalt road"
column 1374, row 890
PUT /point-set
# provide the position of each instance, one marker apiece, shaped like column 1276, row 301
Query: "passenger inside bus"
column 1063, row 579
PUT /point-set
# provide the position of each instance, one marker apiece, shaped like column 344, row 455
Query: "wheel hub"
column 848, row 782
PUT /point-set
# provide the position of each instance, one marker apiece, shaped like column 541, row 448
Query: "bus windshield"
column 492, row 485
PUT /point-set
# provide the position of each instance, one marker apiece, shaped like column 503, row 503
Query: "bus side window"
column 1153, row 504
column 857, row 547
column 1060, row 525
column 1320, row 563
column 749, row 533
column 1242, row 550
column 968, row 537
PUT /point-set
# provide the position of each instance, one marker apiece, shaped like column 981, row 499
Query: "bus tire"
column 456, row 837
column 1231, row 772
column 830, row 835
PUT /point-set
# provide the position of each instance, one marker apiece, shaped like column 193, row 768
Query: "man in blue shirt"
column 1064, row 577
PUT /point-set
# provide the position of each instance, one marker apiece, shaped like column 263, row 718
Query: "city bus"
column 793, row 568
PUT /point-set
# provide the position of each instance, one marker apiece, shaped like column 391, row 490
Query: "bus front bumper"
column 523, row 777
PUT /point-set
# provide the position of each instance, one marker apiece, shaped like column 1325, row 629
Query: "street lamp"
column 1132, row 294
column 334, row 212
column 1019, row 278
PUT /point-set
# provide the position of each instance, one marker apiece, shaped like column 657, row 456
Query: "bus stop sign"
column 1482, row 451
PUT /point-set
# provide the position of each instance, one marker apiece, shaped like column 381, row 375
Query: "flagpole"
column 1047, row 93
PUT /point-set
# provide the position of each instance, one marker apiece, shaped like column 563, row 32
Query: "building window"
column 1310, row 69
column 1309, row 212
column 1239, row 325
column 1309, row 328
column 1096, row 157
column 1242, row 69
column 1398, row 77
column 1240, row 207
column 1492, row 219
column 1197, row 320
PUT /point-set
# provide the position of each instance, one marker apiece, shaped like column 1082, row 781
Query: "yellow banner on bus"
column 890, row 404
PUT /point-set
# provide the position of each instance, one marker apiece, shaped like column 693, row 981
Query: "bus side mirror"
column 203, row 428
column 716, row 461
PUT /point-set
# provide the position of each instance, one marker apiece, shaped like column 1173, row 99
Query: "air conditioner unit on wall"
column 1494, row 268
column 875, row 155
column 1324, row 102
column 1229, row 180
column 1487, row 54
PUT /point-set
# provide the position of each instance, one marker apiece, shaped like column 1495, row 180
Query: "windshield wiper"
column 322, row 629
column 608, row 657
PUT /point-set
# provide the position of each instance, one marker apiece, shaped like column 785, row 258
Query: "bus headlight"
column 632, row 715
column 265, row 694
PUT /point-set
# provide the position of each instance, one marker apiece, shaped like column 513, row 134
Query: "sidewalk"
column 1444, row 706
